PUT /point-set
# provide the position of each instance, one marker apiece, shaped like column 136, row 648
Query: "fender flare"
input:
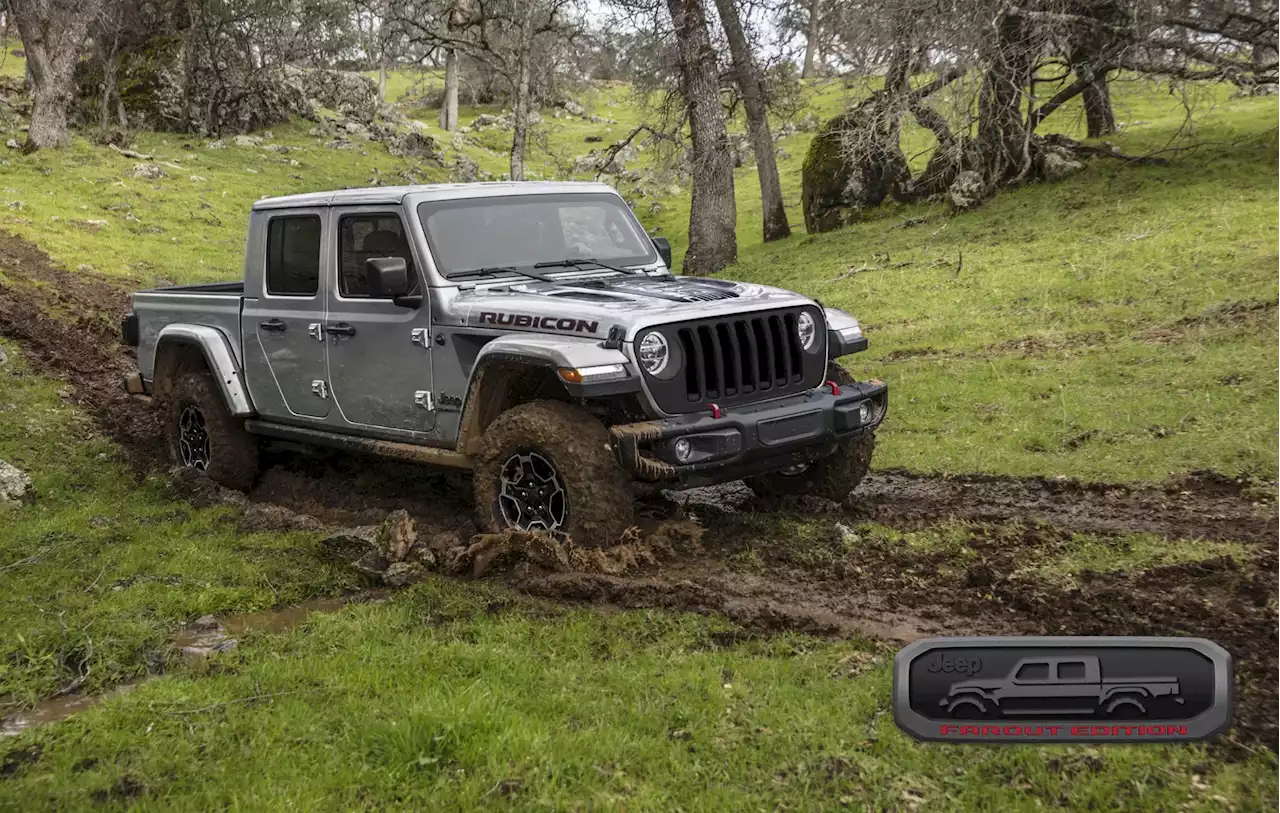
column 219, row 356
column 547, row 352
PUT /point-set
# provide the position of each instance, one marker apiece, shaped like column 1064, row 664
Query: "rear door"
column 281, row 324
column 379, row 353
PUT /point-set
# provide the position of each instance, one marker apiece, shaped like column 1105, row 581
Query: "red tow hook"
column 835, row 388
column 715, row 410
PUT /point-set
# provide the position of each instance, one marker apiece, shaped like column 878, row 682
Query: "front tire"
column 203, row 434
column 834, row 476
column 548, row 466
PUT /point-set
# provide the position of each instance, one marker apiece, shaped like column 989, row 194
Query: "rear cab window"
column 293, row 255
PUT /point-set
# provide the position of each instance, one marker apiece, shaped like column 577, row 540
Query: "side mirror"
column 388, row 277
column 664, row 250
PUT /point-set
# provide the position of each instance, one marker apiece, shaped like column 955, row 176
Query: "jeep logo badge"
column 1062, row 689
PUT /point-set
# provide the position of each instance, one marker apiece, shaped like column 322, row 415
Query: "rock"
column 280, row 148
column 967, row 191
column 465, row 170
column 3, row 356
column 16, row 205
column 14, row 482
column 372, row 563
column 838, row 183
column 415, row 144
column 593, row 139
column 397, row 536
column 401, row 573
column 246, row 141
column 13, row 144
column 1055, row 165
column 149, row 171
column 571, row 107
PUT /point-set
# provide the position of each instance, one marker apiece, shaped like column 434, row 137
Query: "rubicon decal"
column 562, row 323
column 1063, row 689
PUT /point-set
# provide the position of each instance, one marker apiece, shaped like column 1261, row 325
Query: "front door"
column 281, row 327
column 379, row 352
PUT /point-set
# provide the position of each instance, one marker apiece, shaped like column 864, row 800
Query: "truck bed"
column 214, row 304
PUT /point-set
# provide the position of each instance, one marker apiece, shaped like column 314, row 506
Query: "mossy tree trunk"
column 713, row 241
column 747, row 76
column 53, row 35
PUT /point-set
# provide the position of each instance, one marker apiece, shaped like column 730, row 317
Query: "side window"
column 1033, row 672
column 293, row 255
column 1071, row 670
column 367, row 237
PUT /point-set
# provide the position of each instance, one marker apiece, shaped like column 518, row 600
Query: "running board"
column 380, row 448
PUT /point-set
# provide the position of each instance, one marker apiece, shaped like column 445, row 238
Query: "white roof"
column 441, row 191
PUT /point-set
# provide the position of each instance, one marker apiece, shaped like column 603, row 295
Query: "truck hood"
column 632, row 302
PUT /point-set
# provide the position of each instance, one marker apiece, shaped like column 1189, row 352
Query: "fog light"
column 682, row 449
column 864, row 412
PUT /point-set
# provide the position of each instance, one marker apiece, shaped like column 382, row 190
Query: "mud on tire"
column 832, row 477
column 597, row 498
column 230, row 457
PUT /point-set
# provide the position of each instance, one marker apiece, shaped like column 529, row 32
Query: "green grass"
column 99, row 571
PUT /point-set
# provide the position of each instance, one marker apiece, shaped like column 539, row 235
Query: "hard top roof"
column 442, row 191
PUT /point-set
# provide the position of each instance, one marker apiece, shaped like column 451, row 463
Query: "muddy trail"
column 841, row 580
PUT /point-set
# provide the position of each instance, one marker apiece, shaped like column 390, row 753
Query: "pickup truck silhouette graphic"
column 1064, row 685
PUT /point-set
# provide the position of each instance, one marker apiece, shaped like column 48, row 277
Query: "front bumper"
column 749, row 439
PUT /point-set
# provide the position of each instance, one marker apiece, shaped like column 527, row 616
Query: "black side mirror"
column 388, row 277
column 664, row 250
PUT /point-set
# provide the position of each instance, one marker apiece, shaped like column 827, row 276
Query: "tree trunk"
column 382, row 81
column 1099, row 116
column 53, row 33
column 752, row 87
column 713, row 243
column 1003, row 138
column 811, row 33
column 449, row 106
column 520, row 107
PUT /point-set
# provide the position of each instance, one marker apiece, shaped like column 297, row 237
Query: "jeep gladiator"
column 1067, row 685
column 530, row 333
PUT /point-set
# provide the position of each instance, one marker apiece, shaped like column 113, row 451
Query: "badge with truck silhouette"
column 1063, row 689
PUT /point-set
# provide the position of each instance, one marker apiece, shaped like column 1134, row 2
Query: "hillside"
column 1082, row 440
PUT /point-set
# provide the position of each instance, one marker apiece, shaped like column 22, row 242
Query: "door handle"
column 273, row 325
column 340, row 329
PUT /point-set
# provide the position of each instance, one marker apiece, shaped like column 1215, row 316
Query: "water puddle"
column 204, row 637
column 57, row 708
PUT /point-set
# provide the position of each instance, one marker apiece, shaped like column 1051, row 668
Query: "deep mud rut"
column 67, row 323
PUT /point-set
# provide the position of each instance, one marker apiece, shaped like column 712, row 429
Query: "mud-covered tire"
column 599, row 498
column 834, row 476
column 232, row 452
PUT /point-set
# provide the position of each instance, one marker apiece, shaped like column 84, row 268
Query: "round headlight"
column 653, row 353
column 808, row 330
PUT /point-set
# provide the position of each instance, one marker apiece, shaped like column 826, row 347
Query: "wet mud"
column 875, row 589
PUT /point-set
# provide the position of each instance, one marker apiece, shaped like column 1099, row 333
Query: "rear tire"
column 834, row 476
column 203, row 435
column 548, row 465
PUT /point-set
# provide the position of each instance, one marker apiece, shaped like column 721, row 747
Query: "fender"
column 219, row 356
column 547, row 352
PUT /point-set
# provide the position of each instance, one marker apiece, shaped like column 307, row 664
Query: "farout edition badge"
column 1063, row 689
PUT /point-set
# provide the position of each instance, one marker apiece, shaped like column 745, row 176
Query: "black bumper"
column 751, row 439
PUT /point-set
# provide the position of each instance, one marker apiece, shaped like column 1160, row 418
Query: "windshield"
column 494, row 233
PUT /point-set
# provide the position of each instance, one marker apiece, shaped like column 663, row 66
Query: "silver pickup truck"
column 528, row 332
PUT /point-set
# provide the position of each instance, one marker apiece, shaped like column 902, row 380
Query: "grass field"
column 1119, row 326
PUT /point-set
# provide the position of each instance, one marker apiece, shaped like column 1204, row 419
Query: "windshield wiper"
column 492, row 271
column 579, row 262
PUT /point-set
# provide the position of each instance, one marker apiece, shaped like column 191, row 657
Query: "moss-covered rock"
column 853, row 164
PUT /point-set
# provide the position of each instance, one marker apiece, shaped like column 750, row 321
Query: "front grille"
column 738, row 359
